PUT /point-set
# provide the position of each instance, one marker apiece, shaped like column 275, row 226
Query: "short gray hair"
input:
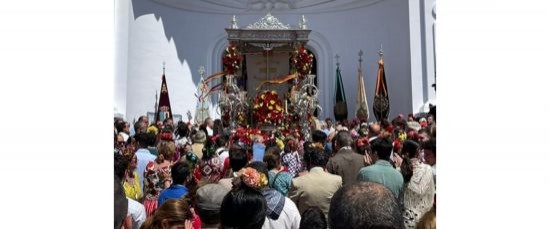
column 343, row 138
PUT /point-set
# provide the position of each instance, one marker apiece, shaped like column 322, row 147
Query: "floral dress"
column 419, row 194
column 154, row 182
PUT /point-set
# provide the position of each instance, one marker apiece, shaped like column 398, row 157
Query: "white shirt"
column 223, row 153
column 137, row 211
column 289, row 218
column 210, row 131
column 125, row 136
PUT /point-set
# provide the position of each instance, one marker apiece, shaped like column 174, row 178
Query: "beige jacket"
column 314, row 189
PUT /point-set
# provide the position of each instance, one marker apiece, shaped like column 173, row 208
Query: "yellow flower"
column 272, row 102
column 262, row 96
column 270, row 107
column 274, row 92
column 279, row 108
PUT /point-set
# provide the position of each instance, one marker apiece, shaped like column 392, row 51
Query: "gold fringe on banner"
column 278, row 81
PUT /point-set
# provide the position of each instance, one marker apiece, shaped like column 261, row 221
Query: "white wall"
column 195, row 36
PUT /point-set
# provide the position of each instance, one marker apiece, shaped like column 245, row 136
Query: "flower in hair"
column 166, row 136
column 252, row 178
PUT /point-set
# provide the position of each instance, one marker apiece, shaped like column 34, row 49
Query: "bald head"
column 365, row 205
column 374, row 129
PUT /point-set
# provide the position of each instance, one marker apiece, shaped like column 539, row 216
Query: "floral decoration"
column 268, row 108
column 252, row 178
column 231, row 59
column 303, row 61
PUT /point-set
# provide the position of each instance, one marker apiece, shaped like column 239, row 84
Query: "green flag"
column 340, row 105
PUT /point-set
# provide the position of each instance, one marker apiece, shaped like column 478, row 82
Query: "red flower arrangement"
column 303, row 61
column 245, row 135
column 231, row 59
column 268, row 108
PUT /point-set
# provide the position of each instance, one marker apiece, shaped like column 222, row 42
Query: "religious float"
column 266, row 86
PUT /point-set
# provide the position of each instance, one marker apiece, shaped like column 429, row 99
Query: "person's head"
column 144, row 119
column 166, row 150
column 182, row 130
column 319, row 137
column 410, row 148
column 374, row 130
column 429, row 151
column 170, row 215
column 121, row 165
column 272, row 158
column 313, row 218
column 315, row 157
column 139, row 127
column 410, row 117
column 343, row 139
column 237, row 158
column 132, row 162
column 209, row 202
column 199, row 137
column 221, row 141
column 168, row 122
column 428, row 220
column 382, row 147
column 209, row 122
column 364, row 205
column 259, row 166
column 120, row 143
column 180, row 173
column 243, row 208
column 430, row 119
column 217, row 127
column 142, row 140
column 424, row 134
column 329, row 122
column 123, row 127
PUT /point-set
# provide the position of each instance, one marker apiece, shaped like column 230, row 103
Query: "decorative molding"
column 275, row 6
column 268, row 22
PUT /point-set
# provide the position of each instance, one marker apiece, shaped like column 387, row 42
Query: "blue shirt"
column 143, row 158
column 258, row 151
column 175, row 191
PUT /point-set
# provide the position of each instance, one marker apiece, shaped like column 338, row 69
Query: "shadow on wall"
column 142, row 8
column 148, row 49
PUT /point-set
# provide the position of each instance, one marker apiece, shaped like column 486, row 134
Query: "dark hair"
column 182, row 130
column 180, row 172
column 120, row 126
column 410, row 148
column 121, row 165
column 365, row 205
column 343, row 138
column 313, row 218
column 272, row 157
column 138, row 125
column 217, row 128
column 382, row 147
column 151, row 139
column 142, row 139
column 243, row 208
column 221, row 140
column 319, row 136
column 429, row 145
column 237, row 158
column 121, row 203
column 314, row 157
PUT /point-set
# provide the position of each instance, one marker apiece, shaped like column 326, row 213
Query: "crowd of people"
column 351, row 174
